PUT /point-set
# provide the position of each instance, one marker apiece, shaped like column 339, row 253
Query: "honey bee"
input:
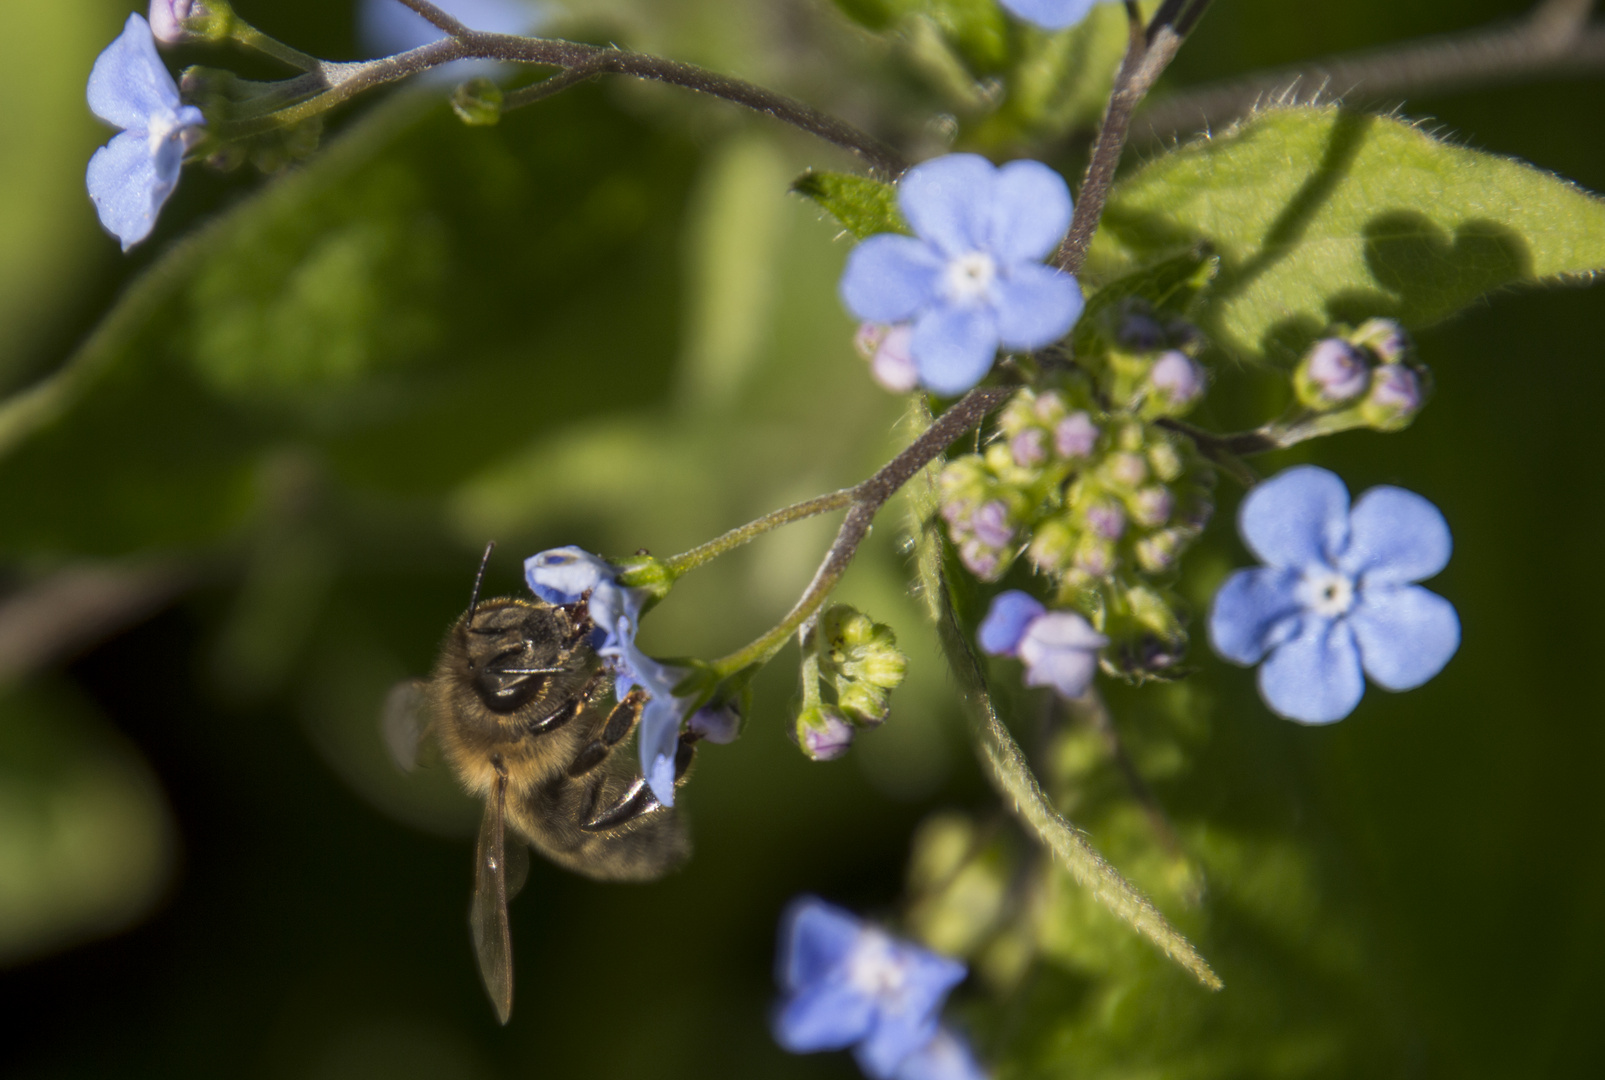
column 523, row 709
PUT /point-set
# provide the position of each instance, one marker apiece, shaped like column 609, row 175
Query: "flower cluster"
column 858, row 660
column 849, row 984
column 971, row 280
column 568, row 575
column 131, row 177
column 1337, row 596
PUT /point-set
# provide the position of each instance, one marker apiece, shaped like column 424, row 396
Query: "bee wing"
column 403, row 721
column 487, row 916
column 517, row 866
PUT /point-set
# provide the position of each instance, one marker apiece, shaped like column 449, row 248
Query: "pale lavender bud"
column 1128, row 470
column 979, row 559
column 1075, row 435
column 991, row 525
column 1095, row 557
column 1178, row 378
column 824, row 734
column 1334, row 372
column 717, row 725
column 1029, row 448
column 1107, row 520
column 1384, row 337
column 955, row 511
column 890, row 362
column 1394, row 398
column 1158, row 552
column 167, row 20
column 1152, row 506
column 1049, row 407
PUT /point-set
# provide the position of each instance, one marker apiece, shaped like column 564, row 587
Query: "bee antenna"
column 479, row 579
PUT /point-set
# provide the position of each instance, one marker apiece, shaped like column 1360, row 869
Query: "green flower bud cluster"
column 858, row 659
column 1362, row 378
column 1085, row 482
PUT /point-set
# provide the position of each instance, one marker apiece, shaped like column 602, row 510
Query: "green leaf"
column 1006, row 764
column 975, row 29
column 1059, row 81
column 1322, row 215
column 863, row 206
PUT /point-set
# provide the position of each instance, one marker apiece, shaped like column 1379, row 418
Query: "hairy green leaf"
column 863, row 206
column 1172, row 286
column 1322, row 215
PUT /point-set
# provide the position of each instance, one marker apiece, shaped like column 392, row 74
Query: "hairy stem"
column 1554, row 39
column 820, row 504
column 863, row 501
column 345, row 81
column 1149, row 51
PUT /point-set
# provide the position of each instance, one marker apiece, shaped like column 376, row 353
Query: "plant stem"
column 345, row 81
column 820, row 504
column 249, row 36
column 863, row 501
column 1148, row 52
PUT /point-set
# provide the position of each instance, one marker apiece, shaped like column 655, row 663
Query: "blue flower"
column 945, row 1057
column 847, row 983
column 1337, row 595
column 131, row 177
column 1059, row 648
column 564, row 575
column 1052, row 14
column 972, row 278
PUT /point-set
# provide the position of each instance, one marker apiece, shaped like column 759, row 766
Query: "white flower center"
column 874, row 968
column 969, row 277
column 163, row 126
column 1327, row 592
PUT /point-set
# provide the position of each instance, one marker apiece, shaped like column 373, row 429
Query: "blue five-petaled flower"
column 972, row 278
column 1337, row 595
column 1059, row 648
column 849, row 984
column 131, row 177
column 1052, row 14
column 562, row 576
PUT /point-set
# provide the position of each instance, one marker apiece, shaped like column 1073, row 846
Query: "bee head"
column 518, row 652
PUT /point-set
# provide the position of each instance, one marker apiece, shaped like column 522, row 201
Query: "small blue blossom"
column 564, row 575
column 1337, row 595
column 1059, row 648
column 1052, row 14
column 972, row 278
column 945, row 1057
column 131, row 177
column 849, row 984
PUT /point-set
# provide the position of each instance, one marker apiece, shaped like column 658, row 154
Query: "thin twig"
column 867, row 498
column 440, row 19
column 346, row 81
column 552, row 84
column 1149, row 51
column 1554, row 39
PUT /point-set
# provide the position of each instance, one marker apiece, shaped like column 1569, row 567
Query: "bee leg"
column 620, row 722
column 571, row 710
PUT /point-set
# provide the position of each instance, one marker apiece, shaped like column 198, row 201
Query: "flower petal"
column 1050, row 14
column 125, row 187
column 1297, row 518
column 947, row 201
column 889, row 278
column 907, row 1018
column 945, row 1057
column 1396, row 537
column 1252, row 613
column 1406, row 635
column 825, row 1016
column 562, row 575
column 1006, row 620
column 1314, row 678
column 1030, row 213
column 129, row 83
column 954, row 347
column 1060, row 649
column 815, row 939
column 1036, row 305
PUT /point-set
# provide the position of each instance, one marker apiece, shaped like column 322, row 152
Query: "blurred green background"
column 604, row 322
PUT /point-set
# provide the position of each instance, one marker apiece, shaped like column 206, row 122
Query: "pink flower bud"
column 1075, row 435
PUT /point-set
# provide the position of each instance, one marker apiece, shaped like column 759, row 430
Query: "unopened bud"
column 1178, row 380
column 175, row 22
column 1139, row 332
column 1126, row 470
column 1075, row 435
column 1051, row 547
column 990, row 524
column 862, row 703
column 716, row 723
column 478, row 102
column 1394, row 398
column 1095, row 556
column 1107, row 520
column 1029, row 448
column 1158, row 552
column 1334, row 373
column 890, row 362
column 1384, row 337
column 823, row 733
column 1165, row 460
column 1151, row 506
